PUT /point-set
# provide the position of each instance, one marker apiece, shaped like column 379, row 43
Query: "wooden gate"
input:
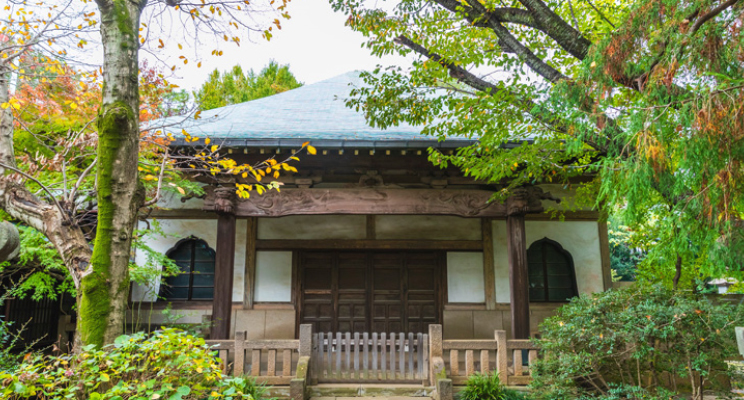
column 370, row 357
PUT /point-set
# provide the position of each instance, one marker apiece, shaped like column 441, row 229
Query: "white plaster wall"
column 171, row 200
column 423, row 227
column 273, row 276
column 465, row 277
column 580, row 238
column 177, row 229
column 313, row 227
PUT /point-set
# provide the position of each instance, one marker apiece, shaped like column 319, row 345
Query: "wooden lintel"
column 381, row 201
column 188, row 213
column 583, row 215
column 362, row 244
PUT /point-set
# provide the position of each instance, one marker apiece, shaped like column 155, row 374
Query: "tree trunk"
column 103, row 292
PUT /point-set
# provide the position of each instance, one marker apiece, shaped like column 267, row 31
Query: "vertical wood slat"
column 314, row 359
column 517, row 360
column 383, row 351
column 222, row 354
column 356, row 356
column 329, row 345
column 239, row 363
column 402, row 355
column 320, row 368
column 365, row 342
column 531, row 358
column 348, row 355
column 425, row 369
column 271, row 368
column 256, row 362
column 411, row 371
column 287, row 362
column 392, row 355
column 337, row 349
column 454, row 363
column 374, row 355
column 484, row 361
column 419, row 355
column 469, row 363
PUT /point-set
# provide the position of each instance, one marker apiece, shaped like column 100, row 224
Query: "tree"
column 102, row 276
column 644, row 95
column 235, row 87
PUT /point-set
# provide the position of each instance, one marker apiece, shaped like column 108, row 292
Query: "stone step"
column 356, row 390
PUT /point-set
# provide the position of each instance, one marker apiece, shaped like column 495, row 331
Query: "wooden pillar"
column 489, row 273
column 517, row 207
column 224, row 261
column 250, row 263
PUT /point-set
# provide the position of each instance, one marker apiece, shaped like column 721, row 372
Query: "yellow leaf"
column 276, row 174
column 245, row 175
column 207, row 140
column 17, row 106
column 311, row 150
column 73, row 106
column 305, row 144
column 214, row 148
column 180, row 190
column 149, row 177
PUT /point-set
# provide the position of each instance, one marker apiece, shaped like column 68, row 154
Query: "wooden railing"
column 370, row 357
column 505, row 357
column 269, row 361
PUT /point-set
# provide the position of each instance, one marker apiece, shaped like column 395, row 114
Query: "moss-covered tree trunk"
column 103, row 292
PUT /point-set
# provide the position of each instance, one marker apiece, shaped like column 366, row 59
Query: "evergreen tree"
column 234, row 86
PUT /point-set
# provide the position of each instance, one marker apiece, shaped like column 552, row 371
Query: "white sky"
column 314, row 42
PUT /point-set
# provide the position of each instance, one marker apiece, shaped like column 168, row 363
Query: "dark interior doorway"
column 395, row 291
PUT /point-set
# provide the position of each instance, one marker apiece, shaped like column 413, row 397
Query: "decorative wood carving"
column 224, row 200
column 464, row 203
column 381, row 201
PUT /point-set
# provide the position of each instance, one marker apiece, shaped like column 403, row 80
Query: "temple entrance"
column 395, row 291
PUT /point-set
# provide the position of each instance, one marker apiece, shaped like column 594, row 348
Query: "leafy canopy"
column 642, row 98
column 235, row 86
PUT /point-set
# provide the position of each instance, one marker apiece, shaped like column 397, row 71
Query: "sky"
column 314, row 42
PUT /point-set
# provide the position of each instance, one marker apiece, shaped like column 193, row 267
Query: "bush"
column 168, row 364
column 637, row 343
column 483, row 387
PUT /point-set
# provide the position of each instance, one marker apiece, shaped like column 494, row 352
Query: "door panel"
column 370, row 291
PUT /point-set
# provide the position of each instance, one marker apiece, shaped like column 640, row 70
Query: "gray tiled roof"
column 314, row 112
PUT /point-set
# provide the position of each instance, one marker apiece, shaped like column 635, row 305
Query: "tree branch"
column 51, row 195
column 513, row 44
column 712, row 13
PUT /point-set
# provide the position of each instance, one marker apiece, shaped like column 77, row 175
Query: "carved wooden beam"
column 464, row 203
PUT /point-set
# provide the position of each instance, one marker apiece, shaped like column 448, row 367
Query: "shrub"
column 483, row 387
column 642, row 342
column 167, row 364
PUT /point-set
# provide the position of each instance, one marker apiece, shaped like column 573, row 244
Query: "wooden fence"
column 370, row 357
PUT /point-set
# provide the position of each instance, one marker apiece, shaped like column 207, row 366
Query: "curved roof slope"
column 315, row 112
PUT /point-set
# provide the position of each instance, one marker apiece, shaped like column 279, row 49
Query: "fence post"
column 436, row 352
column 444, row 389
column 239, row 363
column 501, row 356
column 306, row 340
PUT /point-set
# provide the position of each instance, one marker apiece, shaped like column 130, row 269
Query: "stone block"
column 458, row 324
column 253, row 322
column 485, row 322
column 280, row 324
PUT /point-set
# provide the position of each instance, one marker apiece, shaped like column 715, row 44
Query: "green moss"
column 124, row 22
column 95, row 303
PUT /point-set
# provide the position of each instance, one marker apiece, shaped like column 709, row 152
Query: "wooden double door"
column 353, row 291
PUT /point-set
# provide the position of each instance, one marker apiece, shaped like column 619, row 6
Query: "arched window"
column 551, row 271
column 196, row 281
